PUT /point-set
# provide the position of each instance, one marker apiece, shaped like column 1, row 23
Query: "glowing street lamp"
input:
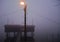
column 23, row 3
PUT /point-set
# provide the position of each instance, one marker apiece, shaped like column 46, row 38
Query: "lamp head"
column 22, row 3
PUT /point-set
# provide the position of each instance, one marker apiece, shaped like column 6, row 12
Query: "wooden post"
column 25, row 33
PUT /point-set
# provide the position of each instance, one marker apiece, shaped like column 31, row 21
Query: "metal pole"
column 25, row 33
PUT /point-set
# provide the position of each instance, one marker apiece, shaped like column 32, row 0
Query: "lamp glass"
column 22, row 3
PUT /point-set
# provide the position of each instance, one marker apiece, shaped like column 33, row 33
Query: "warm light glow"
column 22, row 3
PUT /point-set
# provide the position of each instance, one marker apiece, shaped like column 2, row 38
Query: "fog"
column 44, row 14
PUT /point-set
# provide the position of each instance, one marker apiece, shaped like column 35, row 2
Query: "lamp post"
column 25, row 6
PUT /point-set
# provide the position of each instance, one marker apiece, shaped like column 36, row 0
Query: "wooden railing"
column 19, row 28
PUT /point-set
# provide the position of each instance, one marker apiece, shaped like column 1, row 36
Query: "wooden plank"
column 18, row 28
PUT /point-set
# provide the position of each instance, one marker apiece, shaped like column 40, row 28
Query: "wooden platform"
column 19, row 29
